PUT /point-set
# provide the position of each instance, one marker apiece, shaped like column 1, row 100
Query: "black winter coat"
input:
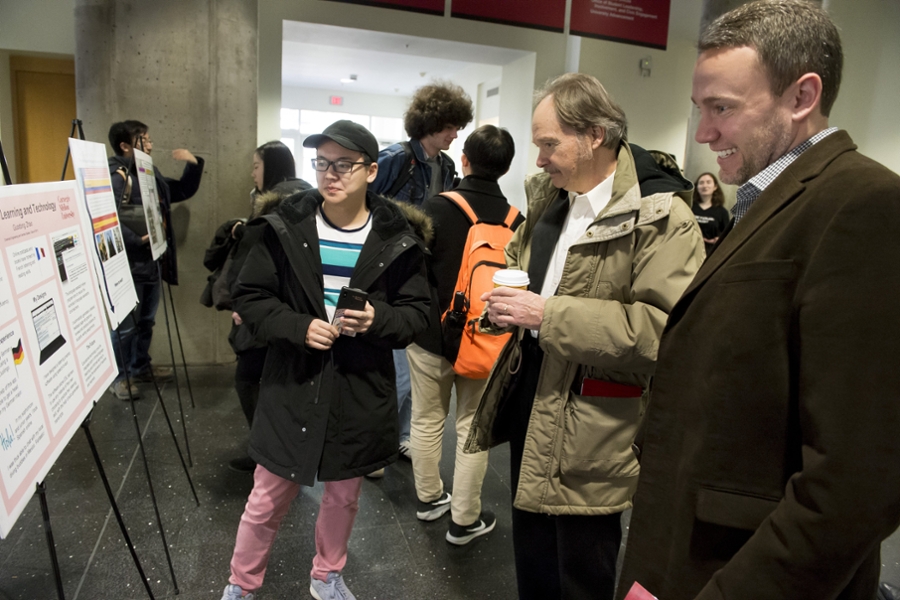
column 331, row 415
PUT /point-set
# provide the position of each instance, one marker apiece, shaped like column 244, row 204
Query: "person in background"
column 327, row 407
column 486, row 157
column 274, row 179
column 416, row 170
column 708, row 209
column 136, row 331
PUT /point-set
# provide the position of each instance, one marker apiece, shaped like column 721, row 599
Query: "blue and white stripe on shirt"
column 339, row 250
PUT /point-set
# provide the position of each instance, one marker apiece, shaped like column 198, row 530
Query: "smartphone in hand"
column 349, row 299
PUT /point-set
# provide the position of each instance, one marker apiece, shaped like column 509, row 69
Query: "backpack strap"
column 463, row 205
column 409, row 160
column 126, row 191
column 511, row 216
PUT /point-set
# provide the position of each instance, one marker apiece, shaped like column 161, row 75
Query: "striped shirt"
column 339, row 250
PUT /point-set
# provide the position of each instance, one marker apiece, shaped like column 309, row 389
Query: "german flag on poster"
column 18, row 353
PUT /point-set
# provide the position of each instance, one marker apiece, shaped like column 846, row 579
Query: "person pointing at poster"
column 136, row 331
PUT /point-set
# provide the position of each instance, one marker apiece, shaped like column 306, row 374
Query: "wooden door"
column 43, row 91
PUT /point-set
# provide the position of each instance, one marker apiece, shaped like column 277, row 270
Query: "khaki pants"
column 432, row 378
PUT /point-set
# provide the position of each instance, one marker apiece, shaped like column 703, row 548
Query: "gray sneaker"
column 333, row 589
column 120, row 390
column 233, row 592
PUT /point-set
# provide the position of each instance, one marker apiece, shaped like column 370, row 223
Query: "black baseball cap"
column 348, row 134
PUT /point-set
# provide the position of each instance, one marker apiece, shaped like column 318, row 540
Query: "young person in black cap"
column 327, row 408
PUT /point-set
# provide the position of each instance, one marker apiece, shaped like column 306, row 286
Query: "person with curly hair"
column 414, row 171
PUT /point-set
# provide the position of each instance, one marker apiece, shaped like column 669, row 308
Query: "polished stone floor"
column 393, row 556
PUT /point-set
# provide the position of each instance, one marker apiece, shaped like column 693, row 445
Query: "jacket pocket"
column 597, row 436
column 764, row 270
column 733, row 509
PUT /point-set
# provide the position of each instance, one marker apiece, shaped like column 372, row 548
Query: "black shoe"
column 460, row 535
column 431, row 511
column 244, row 464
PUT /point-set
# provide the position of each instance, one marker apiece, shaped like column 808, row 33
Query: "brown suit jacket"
column 771, row 451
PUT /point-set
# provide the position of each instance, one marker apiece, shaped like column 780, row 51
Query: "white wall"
column 30, row 27
column 867, row 103
column 38, row 26
column 378, row 105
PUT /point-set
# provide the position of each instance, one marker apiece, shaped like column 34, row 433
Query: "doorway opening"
column 330, row 73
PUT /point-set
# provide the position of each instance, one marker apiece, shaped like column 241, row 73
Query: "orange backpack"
column 471, row 352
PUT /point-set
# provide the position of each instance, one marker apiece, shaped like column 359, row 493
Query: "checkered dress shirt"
column 750, row 191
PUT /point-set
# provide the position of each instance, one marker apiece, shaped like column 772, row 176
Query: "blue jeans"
column 136, row 332
column 404, row 393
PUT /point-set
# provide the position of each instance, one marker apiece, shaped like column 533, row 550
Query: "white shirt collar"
column 594, row 200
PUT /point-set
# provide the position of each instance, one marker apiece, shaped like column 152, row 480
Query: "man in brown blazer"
column 770, row 459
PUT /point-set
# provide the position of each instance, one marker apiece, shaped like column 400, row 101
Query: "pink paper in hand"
column 637, row 592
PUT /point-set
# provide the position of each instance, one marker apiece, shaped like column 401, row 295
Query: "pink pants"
column 268, row 503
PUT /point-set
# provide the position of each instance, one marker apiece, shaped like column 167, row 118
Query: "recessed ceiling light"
column 350, row 79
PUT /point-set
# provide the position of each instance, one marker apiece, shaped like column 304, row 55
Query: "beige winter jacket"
column 619, row 282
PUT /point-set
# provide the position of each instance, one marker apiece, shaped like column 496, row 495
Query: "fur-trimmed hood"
column 389, row 217
column 263, row 204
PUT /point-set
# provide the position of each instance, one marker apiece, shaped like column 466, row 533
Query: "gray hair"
column 581, row 102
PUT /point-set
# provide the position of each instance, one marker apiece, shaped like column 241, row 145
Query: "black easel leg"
column 162, row 404
column 66, row 162
column 48, row 530
column 181, row 346
column 187, row 444
column 137, row 427
column 115, row 507
column 4, row 167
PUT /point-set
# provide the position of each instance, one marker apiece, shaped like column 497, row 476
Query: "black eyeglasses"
column 340, row 166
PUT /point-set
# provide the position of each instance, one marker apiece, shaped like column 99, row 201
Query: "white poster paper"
column 150, row 198
column 101, row 230
column 56, row 358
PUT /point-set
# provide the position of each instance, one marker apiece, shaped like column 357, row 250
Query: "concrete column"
column 189, row 71
column 698, row 157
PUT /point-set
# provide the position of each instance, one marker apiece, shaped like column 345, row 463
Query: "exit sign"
column 336, row 100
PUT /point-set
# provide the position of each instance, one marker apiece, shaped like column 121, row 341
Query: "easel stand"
column 4, row 167
column 181, row 346
column 112, row 502
column 48, row 530
column 187, row 445
column 75, row 123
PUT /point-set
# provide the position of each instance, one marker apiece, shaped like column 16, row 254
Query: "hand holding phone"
column 354, row 300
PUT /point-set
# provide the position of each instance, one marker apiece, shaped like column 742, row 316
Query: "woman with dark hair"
column 274, row 179
column 708, row 209
column 274, row 169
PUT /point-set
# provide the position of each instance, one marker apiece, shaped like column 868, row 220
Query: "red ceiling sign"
column 640, row 22
column 549, row 15
column 431, row 7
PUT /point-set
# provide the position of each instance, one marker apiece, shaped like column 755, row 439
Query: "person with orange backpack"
column 472, row 226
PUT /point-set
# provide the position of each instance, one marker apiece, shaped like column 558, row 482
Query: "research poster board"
column 150, row 198
column 56, row 357
column 102, row 229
